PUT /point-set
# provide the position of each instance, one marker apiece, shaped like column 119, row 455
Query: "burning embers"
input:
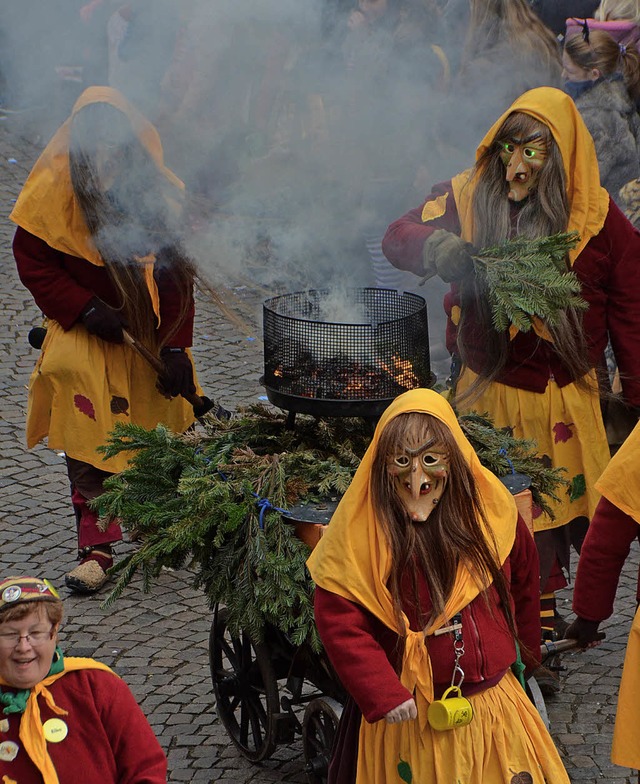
column 345, row 379
column 326, row 367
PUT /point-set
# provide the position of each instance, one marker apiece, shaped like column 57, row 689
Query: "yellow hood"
column 47, row 206
column 588, row 200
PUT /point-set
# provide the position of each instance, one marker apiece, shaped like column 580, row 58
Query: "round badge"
column 8, row 751
column 12, row 593
column 55, row 730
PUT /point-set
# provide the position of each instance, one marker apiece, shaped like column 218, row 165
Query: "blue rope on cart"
column 502, row 451
column 264, row 504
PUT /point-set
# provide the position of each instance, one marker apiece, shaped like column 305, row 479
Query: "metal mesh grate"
column 379, row 350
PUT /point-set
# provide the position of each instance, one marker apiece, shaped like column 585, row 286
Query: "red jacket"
column 366, row 655
column 62, row 285
column 109, row 740
column 609, row 270
column 602, row 556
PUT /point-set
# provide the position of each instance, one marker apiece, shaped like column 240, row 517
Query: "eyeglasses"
column 12, row 639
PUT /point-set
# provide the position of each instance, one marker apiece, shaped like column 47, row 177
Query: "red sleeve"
column 41, row 269
column 404, row 239
column 351, row 640
column 623, row 302
column 602, row 556
column 525, row 590
column 138, row 755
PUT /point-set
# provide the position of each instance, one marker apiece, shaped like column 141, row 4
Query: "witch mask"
column 419, row 472
column 523, row 150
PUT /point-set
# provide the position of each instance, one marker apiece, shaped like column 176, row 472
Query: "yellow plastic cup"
column 450, row 712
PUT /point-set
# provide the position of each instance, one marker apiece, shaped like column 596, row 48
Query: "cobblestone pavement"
column 158, row 642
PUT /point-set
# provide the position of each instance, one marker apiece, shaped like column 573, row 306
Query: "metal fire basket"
column 347, row 366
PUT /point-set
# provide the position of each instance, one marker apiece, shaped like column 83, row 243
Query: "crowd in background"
column 395, row 92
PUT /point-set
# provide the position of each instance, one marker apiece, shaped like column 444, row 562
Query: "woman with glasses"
column 64, row 719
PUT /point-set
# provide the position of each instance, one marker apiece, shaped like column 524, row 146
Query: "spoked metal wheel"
column 319, row 728
column 245, row 687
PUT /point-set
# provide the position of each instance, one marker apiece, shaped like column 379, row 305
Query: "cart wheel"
column 245, row 687
column 319, row 727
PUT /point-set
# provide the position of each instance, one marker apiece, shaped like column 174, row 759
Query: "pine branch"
column 194, row 500
column 528, row 278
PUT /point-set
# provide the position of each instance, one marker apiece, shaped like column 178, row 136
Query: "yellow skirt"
column 626, row 734
column 566, row 424
column 506, row 737
column 81, row 386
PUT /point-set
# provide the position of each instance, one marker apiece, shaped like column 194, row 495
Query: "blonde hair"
column 493, row 22
column 603, row 52
column 615, row 10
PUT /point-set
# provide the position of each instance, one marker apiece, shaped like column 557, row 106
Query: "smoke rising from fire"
column 299, row 132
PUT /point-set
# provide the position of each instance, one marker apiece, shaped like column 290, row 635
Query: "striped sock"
column 547, row 612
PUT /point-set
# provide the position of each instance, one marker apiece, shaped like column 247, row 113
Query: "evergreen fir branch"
column 193, row 498
column 528, row 278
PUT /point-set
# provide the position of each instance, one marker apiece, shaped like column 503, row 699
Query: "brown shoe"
column 87, row 577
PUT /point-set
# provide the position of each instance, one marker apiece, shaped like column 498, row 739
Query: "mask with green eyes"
column 420, row 474
column 524, row 158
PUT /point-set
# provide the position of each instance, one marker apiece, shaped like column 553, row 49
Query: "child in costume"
column 425, row 578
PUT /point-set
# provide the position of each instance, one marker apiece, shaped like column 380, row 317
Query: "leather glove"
column 584, row 632
column 177, row 377
column 103, row 321
column 447, row 255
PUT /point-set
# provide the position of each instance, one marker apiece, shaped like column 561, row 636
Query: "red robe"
column 109, row 740
column 62, row 285
column 366, row 654
column 609, row 270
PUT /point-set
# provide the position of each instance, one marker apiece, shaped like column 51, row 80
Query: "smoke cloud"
column 301, row 128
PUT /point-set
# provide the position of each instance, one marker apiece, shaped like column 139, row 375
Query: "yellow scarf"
column 588, row 200
column 31, row 730
column 47, row 207
column 353, row 558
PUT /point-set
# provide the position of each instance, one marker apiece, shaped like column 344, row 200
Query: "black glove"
column 177, row 377
column 584, row 632
column 447, row 255
column 103, row 321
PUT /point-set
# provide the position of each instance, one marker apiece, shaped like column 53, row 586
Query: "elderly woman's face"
column 26, row 648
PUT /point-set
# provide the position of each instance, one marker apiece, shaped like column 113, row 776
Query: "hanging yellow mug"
column 450, row 712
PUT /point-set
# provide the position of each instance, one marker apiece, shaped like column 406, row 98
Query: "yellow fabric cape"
column 588, row 200
column 31, row 730
column 620, row 484
column 47, row 207
column 353, row 558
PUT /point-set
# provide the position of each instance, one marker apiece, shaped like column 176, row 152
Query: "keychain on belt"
column 452, row 710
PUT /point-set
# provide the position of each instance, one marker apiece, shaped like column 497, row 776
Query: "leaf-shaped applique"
column 562, row 432
column 119, row 405
column 84, row 405
column 404, row 771
column 578, row 487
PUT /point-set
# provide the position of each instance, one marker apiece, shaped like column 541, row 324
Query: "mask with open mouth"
column 420, row 476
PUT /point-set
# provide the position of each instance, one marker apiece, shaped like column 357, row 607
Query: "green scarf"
column 16, row 701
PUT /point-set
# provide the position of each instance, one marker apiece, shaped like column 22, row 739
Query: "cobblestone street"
column 158, row 641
